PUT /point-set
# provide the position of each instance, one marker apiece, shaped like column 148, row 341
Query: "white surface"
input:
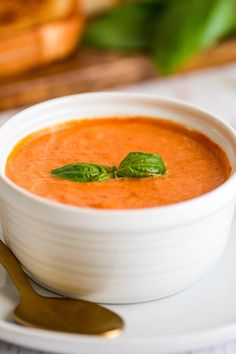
column 213, row 89
column 116, row 256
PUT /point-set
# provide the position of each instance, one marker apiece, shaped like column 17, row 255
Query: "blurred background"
column 178, row 48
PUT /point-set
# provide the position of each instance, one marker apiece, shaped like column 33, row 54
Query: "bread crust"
column 38, row 32
column 40, row 45
column 18, row 15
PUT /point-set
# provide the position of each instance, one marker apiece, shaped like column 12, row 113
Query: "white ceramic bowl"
column 116, row 256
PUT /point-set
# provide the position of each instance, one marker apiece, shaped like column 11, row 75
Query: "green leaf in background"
column 172, row 30
column 141, row 165
column 83, row 172
column 186, row 27
column 127, row 27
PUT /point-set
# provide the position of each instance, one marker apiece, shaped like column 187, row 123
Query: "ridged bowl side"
column 116, row 267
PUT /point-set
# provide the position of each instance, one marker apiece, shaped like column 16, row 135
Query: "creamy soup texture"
column 195, row 165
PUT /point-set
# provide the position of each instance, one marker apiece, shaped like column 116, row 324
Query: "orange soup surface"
column 195, row 165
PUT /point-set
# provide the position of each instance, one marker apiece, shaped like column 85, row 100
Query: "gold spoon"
column 57, row 314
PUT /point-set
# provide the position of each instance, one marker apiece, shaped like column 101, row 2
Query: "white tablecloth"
column 214, row 89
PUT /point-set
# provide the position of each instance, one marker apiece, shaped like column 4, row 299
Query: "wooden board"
column 89, row 70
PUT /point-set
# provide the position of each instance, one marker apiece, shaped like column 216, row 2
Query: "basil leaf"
column 187, row 26
column 135, row 165
column 141, row 165
column 83, row 172
column 127, row 27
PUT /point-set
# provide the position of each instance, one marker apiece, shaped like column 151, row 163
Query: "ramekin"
column 116, row 256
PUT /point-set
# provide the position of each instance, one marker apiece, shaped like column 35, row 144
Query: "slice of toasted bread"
column 39, row 45
column 18, row 15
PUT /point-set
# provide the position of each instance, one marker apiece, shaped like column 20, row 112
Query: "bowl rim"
column 217, row 194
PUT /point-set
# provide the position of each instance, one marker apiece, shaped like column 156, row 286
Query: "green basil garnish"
column 135, row 165
column 83, row 172
column 141, row 165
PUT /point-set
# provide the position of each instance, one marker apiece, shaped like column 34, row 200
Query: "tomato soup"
column 195, row 165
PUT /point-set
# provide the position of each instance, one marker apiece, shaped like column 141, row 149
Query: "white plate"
column 202, row 316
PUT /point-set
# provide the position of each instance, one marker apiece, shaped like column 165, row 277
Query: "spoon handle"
column 13, row 267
